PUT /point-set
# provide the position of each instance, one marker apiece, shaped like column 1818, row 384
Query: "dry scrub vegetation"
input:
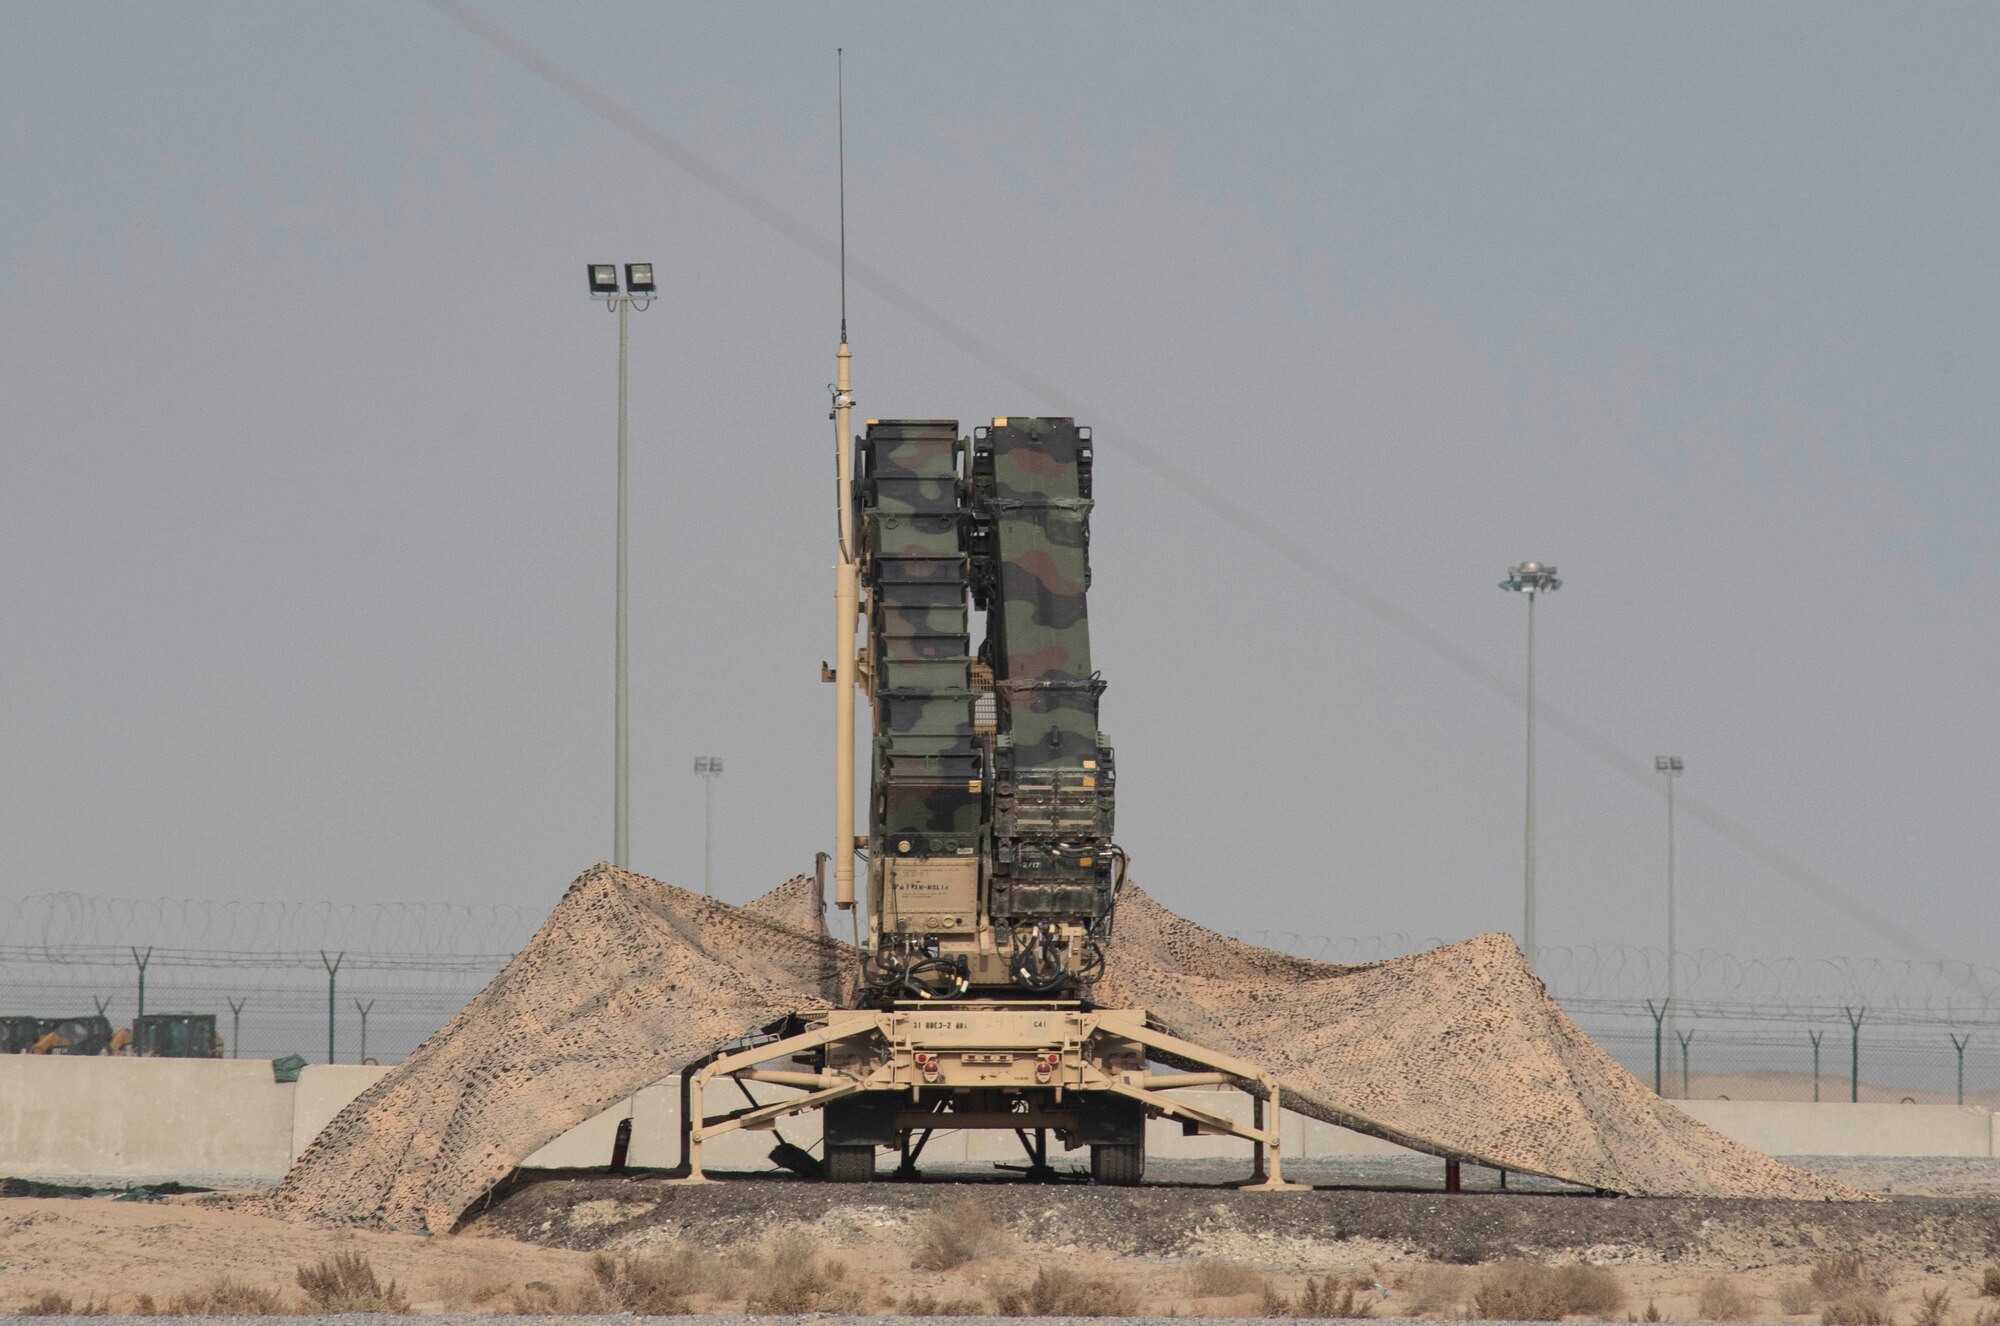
column 346, row 1282
column 958, row 1232
column 959, row 1250
column 1722, row 1299
column 1056, row 1292
column 1529, row 1291
column 1327, row 1296
column 1851, row 1291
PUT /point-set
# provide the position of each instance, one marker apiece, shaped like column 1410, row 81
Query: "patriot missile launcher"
column 989, row 871
column 991, row 866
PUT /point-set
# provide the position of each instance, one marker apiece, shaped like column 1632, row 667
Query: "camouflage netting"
column 625, row 983
column 1458, row 1052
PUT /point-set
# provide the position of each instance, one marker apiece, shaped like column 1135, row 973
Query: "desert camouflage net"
column 626, row 982
column 1458, row 1052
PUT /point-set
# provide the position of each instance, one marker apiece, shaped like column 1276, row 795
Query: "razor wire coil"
column 68, row 953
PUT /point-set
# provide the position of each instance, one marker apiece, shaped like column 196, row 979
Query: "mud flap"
column 1103, row 1119
column 868, row 1119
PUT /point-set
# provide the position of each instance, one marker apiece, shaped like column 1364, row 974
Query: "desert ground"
column 1381, row 1241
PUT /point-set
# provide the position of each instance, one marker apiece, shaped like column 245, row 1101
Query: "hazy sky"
column 308, row 438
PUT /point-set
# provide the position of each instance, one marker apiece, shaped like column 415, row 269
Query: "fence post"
column 236, row 1022
column 1814, row 1036
column 362, row 1009
column 143, row 962
column 332, row 966
column 1684, row 1037
column 1959, row 1045
column 1659, row 1016
column 102, row 1004
column 1854, row 1017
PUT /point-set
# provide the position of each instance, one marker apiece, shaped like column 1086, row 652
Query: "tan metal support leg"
column 1275, row 1133
column 694, row 1091
column 694, row 1094
column 1259, row 1173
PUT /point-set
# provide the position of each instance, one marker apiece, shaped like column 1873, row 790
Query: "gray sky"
column 308, row 433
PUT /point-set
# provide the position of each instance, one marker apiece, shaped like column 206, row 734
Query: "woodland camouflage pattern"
column 913, row 565
column 1004, row 518
column 1051, row 807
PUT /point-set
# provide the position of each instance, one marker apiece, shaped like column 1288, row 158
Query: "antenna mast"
column 846, row 575
column 840, row 121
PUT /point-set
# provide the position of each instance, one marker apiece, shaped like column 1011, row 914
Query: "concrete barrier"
column 81, row 1120
column 227, row 1122
column 1842, row 1128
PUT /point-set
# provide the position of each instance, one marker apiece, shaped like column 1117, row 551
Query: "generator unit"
column 78, row 1035
column 176, row 1036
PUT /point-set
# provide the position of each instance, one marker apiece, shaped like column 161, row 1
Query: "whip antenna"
column 840, row 123
column 846, row 574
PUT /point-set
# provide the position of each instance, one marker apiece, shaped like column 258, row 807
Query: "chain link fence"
column 344, row 982
column 329, row 981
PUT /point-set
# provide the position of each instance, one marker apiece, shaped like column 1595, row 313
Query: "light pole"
column 710, row 769
column 1670, row 767
column 639, row 288
column 1530, row 578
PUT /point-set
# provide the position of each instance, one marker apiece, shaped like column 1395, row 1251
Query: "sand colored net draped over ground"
column 626, row 982
column 1459, row 1052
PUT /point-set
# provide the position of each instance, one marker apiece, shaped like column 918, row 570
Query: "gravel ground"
column 1960, row 1230
column 1914, row 1176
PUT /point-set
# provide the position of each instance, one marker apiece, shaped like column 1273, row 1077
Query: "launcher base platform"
column 895, row 1077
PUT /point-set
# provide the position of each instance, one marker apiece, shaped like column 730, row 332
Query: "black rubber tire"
column 850, row 1164
column 1119, row 1165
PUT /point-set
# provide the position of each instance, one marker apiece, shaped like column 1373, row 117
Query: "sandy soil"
column 1418, row 1252
column 97, row 1248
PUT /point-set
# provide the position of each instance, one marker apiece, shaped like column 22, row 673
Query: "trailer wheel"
column 850, row 1164
column 1119, row 1165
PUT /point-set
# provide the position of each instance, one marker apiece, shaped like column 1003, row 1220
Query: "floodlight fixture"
column 1667, row 764
column 604, row 277
column 639, row 278
column 1531, row 578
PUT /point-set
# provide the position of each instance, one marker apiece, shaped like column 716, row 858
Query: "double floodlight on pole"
column 640, row 290
column 1530, row 578
column 638, row 280
column 710, row 769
